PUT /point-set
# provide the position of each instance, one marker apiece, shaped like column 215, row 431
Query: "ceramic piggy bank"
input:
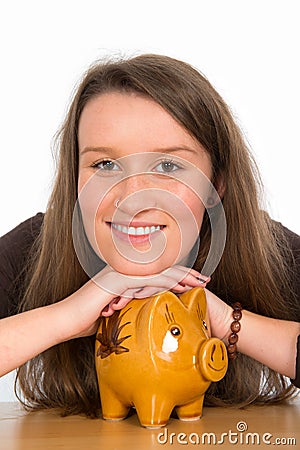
column 156, row 354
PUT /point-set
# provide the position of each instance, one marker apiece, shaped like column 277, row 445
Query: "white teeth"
column 136, row 231
column 139, row 231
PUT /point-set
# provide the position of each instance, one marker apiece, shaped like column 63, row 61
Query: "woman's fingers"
column 148, row 291
column 115, row 305
column 178, row 279
column 186, row 276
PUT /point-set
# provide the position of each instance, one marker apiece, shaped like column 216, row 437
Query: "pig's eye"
column 204, row 324
column 175, row 331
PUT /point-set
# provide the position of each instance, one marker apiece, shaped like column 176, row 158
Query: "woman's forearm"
column 273, row 342
column 25, row 335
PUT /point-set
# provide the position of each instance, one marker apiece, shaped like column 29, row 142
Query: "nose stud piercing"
column 210, row 201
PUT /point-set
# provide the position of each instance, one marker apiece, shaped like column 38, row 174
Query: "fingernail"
column 203, row 279
column 140, row 290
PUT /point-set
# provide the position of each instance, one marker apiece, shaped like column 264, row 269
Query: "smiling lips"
column 135, row 233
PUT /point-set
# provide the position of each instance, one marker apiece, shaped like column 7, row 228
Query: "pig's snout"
column 213, row 359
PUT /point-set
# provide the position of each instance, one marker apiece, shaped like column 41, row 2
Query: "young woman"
column 153, row 176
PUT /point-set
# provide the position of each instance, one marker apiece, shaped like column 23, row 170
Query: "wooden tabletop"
column 226, row 428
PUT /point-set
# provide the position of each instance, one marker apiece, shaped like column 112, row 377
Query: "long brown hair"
column 255, row 267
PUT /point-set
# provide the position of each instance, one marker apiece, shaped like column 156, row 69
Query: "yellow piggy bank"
column 157, row 354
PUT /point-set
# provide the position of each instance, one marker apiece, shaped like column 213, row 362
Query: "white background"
column 248, row 49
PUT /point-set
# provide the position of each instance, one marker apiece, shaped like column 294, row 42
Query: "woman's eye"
column 107, row 166
column 167, row 167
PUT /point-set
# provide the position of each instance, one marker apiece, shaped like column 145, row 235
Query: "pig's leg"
column 191, row 411
column 112, row 407
column 153, row 411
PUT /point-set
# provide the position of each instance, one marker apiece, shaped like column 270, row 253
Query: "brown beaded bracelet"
column 235, row 328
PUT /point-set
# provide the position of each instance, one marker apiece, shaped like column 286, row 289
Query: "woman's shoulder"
column 293, row 241
column 25, row 230
column 14, row 249
column 21, row 236
column 15, row 244
column 292, row 238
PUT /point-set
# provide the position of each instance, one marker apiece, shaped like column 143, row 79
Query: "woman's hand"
column 273, row 342
column 25, row 335
column 109, row 291
column 177, row 279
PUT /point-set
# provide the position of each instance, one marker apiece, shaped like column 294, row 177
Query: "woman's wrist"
column 226, row 332
column 61, row 320
column 220, row 315
column 235, row 328
column 270, row 341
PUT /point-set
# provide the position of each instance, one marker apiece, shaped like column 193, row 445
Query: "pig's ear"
column 163, row 307
column 164, row 297
column 195, row 299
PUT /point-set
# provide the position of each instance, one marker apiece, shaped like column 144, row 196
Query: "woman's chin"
column 138, row 270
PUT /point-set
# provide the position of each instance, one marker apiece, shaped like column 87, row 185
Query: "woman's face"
column 143, row 183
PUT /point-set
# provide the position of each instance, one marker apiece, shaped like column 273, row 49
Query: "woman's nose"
column 135, row 194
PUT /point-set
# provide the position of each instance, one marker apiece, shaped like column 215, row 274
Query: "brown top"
column 14, row 249
column 16, row 244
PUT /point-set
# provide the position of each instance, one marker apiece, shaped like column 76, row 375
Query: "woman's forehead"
column 131, row 124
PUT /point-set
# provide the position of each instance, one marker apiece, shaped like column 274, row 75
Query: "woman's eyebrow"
column 156, row 150
column 176, row 149
column 95, row 149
